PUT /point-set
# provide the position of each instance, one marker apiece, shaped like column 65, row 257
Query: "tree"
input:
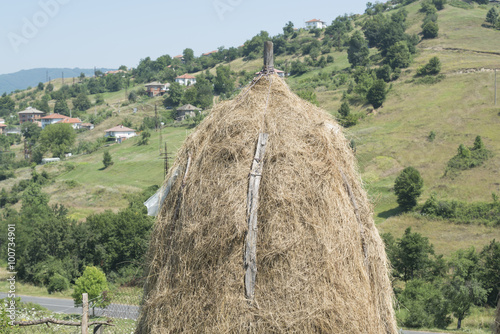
column 384, row 73
column 489, row 270
column 358, row 52
column 223, row 83
column 49, row 88
column 40, row 86
column 344, row 110
column 430, row 30
column 174, row 95
column 94, row 283
column 377, row 93
column 30, row 131
column 81, row 102
column 478, row 144
column 439, row 4
column 408, row 187
column 132, row 97
column 398, row 55
column 204, row 91
column 412, row 255
column 61, row 107
column 144, row 140
column 106, row 159
column 492, row 16
column 57, row 138
column 288, row 29
column 188, row 55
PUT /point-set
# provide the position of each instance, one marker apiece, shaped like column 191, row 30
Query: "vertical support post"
column 250, row 257
column 268, row 57
column 85, row 313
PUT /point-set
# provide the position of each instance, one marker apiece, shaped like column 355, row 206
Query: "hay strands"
column 250, row 256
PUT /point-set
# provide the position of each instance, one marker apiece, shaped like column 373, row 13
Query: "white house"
column 186, row 80
column 311, row 24
column 120, row 132
column 52, row 119
column 75, row 122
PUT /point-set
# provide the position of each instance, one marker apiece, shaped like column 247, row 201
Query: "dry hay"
column 313, row 276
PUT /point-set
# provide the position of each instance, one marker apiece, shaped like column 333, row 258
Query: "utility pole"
column 495, row 86
column 63, row 78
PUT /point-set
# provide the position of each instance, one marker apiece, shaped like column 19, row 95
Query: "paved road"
column 66, row 306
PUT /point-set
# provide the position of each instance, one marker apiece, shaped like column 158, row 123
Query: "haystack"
column 320, row 262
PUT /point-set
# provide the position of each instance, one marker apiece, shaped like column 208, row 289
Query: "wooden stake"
column 250, row 257
column 268, row 57
column 85, row 313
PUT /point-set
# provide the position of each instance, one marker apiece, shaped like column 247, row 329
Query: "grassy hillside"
column 457, row 109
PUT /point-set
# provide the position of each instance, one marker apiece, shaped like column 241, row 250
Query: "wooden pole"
column 85, row 313
column 250, row 257
column 495, row 86
column 268, row 57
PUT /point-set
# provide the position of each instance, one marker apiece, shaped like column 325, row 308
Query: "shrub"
column 431, row 68
column 430, row 30
column 376, row 94
column 57, row 283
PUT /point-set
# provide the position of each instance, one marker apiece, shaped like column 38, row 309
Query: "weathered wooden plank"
column 268, row 56
column 250, row 257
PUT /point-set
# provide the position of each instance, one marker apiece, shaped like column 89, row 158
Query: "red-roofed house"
column 209, row 53
column 156, row 88
column 75, row 122
column 186, row 80
column 51, row 119
column 311, row 24
column 120, row 132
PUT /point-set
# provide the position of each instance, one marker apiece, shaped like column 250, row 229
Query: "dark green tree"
column 489, row 270
column 49, row 88
column 106, row 159
column 174, row 95
column 377, row 93
column 344, row 110
column 30, row 131
column 408, row 187
column 431, row 68
column 412, row 256
column 204, row 92
column 143, row 140
column 81, row 102
column 288, row 29
column 358, row 52
column 40, row 86
column 384, row 73
column 492, row 16
column 114, row 82
column 398, row 55
column 430, row 30
column 478, row 144
column 223, row 83
column 188, row 55
column 61, row 107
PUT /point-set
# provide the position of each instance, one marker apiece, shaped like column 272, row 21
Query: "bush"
column 376, row 94
column 433, row 67
column 57, row 283
column 467, row 158
column 430, row 30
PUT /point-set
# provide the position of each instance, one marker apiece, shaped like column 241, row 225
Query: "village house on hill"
column 314, row 23
column 186, row 79
column 30, row 115
column 156, row 88
column 210, row 53
column 120, row 132
column 60, row 119
column 187, row 110
column 2, row 128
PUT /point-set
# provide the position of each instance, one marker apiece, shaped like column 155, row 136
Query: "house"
column 180, row 57
column 312, row 24
column 210, row 53
column 88, row 126
column 156, row 88
column 2, row 121
column 75, row 122
column 115, row 72
column 52, row 119
column 3, row 128
column 186, row 111
column 120, row 132
column 185, row 79
column 30, row 115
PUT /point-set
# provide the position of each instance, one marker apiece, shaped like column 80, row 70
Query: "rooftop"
column 186, row 76
column 54, row 116
column 188, row 107
column 119, row 128
column 31, row 110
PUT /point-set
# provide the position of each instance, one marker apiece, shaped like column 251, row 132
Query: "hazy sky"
column 108, row 33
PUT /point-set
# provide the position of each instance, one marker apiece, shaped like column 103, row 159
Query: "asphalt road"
column 66, row 306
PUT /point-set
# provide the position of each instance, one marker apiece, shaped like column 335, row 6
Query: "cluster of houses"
column 38, row 117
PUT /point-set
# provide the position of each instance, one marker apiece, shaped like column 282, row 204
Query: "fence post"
column 85, row 313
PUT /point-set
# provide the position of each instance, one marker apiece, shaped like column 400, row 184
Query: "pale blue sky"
column 78, row 33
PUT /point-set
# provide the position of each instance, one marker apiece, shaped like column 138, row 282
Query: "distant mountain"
column 25, row 78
